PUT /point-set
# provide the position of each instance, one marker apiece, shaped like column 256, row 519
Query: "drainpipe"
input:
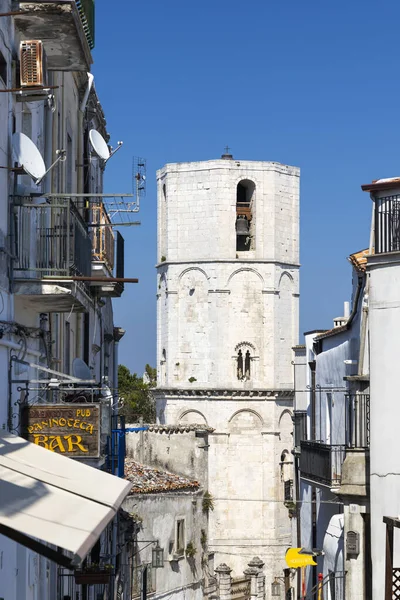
column 87, row 92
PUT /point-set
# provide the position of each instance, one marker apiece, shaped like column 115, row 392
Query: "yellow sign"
column 69, row 429
column 294, row 560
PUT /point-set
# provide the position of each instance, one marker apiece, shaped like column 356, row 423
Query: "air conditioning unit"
column 32, row 63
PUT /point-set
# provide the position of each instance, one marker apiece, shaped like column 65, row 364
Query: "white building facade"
column 53, row 306
column 228, row 294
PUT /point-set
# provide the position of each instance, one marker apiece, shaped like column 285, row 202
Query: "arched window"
column 243, row 365
column 247, row 365
column 240, row 365
column 244, row 215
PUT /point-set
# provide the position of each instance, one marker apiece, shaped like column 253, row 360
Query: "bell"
column 242, row 225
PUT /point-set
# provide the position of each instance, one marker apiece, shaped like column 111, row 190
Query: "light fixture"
column 157, row 557
column 276, row 588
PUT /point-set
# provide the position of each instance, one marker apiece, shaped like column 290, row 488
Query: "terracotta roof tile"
column 148, row 480
column 359, row 259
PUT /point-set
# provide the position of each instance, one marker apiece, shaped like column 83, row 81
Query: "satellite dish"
column 28, row 156
column 80, row 370
column 99, row 145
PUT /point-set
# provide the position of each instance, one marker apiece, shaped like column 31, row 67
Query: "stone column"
column 257, row 564
column 252, row 573
column 224, row 581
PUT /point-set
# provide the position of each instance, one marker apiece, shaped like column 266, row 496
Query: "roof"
column 148, row 480
column 381, row 184
column 359, row 260
column 180, row 428
column 330, row 332
column 54, row 499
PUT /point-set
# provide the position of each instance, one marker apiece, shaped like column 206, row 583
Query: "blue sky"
column 311, row 84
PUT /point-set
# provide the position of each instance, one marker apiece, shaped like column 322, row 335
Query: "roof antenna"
column 227, row 155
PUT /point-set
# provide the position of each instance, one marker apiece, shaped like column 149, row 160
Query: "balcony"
column 299, row 419
column 51, row 244
column 322, row 463
column 66, row 28
column 108, row 253
column 387, row 224
column 357, row 421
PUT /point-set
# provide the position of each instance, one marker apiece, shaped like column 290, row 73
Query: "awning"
column 54, row 499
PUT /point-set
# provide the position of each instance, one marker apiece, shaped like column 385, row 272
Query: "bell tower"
column 227, row 319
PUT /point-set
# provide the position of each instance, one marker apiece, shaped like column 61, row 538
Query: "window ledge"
column 176, row 557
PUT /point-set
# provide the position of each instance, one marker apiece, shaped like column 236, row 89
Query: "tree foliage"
column 135, row 394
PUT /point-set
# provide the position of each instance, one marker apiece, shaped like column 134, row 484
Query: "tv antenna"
column 30, row 159
column 101, row 147
column 139, row 178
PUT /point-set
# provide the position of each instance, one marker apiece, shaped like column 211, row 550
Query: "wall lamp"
column 276, row 587
column 157, row 553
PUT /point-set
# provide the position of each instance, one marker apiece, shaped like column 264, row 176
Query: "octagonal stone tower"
column 228, row 294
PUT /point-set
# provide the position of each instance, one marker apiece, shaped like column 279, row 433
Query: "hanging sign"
column 294, row 560
column 68, row 429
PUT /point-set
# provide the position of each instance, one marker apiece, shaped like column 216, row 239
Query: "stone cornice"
column 223, row 394
column 234, row 261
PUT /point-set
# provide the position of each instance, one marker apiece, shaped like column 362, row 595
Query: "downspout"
column 87, row 92
column 363, row 332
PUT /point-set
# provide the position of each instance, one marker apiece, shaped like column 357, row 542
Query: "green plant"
column 203, row 539
column 190, row 550
column 137, row 518
column 208, row 502
column 191, row 379
column 163, row 258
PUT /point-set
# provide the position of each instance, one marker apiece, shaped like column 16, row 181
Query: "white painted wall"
column 384, row 323
column 160, row 511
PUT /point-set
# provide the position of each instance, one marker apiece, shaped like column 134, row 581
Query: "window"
column 180, row 537
column 240, row 365
column 3, row 69
column 247, row 365
column 244, row 217
column 243, row 365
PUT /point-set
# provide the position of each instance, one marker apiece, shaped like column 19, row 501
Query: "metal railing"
column 334, row 582
column 50, row 239
column 102, row 235
column 387, row 224
column 86, row 10
column 299, row 419
column 357, row 420
column 288, row 490
column 322, row 462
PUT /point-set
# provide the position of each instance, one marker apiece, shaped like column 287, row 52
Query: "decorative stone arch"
column 245, row 419
column 243, row 345
column 245, row 269
column 249, row 410
column 200, row 419
column 243, row 177
column 287, row 411
column 285, row 274
column 185, row 271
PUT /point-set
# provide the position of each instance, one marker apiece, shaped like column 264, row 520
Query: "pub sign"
column 68, row 429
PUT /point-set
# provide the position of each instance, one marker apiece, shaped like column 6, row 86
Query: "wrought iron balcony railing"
column 357, row 420
column 322, row 462
column 387, row 224
column 288, row 490
column 50, row 239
